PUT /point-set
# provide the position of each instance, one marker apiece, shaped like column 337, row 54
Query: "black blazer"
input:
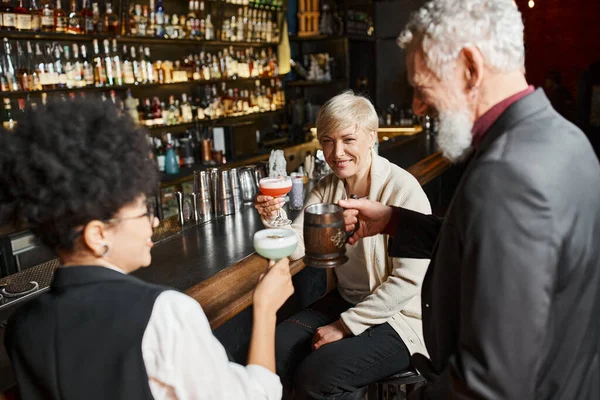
column 511, row 299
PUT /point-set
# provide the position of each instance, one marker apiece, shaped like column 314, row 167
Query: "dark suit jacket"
column 511, row 299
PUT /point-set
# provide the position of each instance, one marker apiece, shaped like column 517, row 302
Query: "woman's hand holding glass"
column 274, row 287
column 268, row 206
column 274, row 189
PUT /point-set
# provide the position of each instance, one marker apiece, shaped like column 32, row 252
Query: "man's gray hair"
column 444, row 27
column 346, row 110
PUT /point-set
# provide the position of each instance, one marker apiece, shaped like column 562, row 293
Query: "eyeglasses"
column 149, row 214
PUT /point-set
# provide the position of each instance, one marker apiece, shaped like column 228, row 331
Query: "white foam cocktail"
column 275, row 244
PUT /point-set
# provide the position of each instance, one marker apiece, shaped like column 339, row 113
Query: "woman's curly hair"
column 69, row 163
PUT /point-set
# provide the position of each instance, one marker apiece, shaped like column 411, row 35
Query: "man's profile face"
column 445, row 98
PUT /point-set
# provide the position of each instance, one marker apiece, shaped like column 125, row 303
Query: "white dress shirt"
column 185, row 361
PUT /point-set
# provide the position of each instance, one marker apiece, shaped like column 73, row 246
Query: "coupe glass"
column 274, row 243
column 276, row 187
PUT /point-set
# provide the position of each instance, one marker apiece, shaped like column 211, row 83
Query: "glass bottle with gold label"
column 60, row 18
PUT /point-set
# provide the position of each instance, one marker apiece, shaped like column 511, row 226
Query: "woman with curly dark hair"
column 78, row 174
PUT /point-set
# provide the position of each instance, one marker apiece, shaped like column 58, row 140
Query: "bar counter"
column 214, row 262
column 196, row 254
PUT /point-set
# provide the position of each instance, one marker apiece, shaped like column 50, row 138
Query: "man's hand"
column 373, row 217
column 329, row 334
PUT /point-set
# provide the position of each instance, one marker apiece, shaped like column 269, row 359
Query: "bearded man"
column 511, row 299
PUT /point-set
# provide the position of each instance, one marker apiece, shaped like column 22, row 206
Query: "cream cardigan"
column 395, row 282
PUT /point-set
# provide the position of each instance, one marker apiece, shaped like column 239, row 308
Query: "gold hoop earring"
column 107, row 249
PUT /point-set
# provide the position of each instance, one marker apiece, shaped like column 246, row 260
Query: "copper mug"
column 324, row 236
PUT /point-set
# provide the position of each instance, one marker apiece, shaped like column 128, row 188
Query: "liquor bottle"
column 3, row 81
column 97, row 19
column 117, row 64
column 108, row 65
column 51, row 75
column 160, row 18
column 171, row 163
column 233, row 26
column 160, row 72
column 75, row 22
column 200, row 21
column 150, row 68
column 146, row 113
column 35, row 83
column 190, row 26
column 210, row 31
column 137, row 68
column 142, row 27
column 47, row 21
column 226, row 100
column 233, row 64
column 128, row 76
column 243, row 69
column 99, row 71
column 23, row 71
column 60, row 18
column 186, row 109
column 88, row 18
column 133, row 21
column 9, row 71
column 157, row 112
column 151, row 19
column 111, row 21
column 23, row 18
column 8, row 120
column 172, row 112
column 215, row 71
column 225, row 31
column 36, row 17
column 9, row 20
column 131, row 105
column 180, row 27
column 246, row 28
column 240, row 26
column 40, row 67
column 88, row 69
column 269, row 30
column 69, row 67
column 59, row 68
column 78, row 74
column 222, row 65
column 258, row 27
column 159, row 154
column 206, row 74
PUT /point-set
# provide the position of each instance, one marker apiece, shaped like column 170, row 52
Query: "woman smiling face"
column 346, row 127
column 348, row 151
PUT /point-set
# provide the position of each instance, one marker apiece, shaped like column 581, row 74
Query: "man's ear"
column 473, row 63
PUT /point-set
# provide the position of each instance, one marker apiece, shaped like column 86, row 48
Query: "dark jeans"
column 339, row 369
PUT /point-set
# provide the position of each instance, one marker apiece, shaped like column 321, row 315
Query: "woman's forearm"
column 262, row 342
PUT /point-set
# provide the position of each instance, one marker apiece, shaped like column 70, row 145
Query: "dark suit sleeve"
column 507, row 280
column 412, row 234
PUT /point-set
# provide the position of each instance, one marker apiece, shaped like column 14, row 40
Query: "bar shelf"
column 156, row 130
column 21, row 93
column 54, row 36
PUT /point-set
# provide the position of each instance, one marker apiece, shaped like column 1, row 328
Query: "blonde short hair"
column 346, row 110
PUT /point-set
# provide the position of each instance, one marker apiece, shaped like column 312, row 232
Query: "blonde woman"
column 369, row 326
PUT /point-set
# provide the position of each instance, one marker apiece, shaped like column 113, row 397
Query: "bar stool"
column 390, row 388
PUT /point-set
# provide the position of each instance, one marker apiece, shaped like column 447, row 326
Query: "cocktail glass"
column 276, row 187
column 275, row 243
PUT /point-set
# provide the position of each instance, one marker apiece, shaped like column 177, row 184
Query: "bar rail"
column 229, row 292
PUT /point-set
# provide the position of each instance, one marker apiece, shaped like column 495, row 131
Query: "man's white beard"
column 454, row 137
